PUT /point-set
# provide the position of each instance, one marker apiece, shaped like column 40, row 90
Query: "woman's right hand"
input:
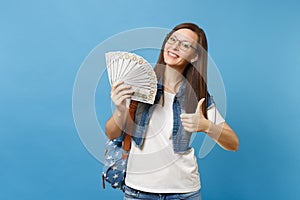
column 119, row 93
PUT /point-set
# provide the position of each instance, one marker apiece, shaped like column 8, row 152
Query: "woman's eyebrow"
column 182, row 40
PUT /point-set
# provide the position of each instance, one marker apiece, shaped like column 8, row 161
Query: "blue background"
column 255, row 44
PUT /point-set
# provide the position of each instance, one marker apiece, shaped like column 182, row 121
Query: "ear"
column 195, row 58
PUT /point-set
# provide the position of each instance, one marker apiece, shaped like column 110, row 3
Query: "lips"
column 173, row 55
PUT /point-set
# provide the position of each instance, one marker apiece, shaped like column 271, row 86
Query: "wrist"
column 207, row 126
column 119, row 117
column 120, row 111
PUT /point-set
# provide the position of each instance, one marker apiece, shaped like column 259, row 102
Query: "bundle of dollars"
column 134, row 70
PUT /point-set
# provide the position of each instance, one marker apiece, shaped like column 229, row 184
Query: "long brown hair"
column 195, row 73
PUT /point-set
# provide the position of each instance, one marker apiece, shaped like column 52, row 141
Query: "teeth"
column 172, row 54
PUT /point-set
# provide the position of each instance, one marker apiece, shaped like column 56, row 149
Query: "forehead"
column 186, row 34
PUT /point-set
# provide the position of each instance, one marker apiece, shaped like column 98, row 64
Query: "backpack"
column 116, row 154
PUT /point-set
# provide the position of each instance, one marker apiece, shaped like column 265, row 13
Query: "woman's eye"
column 186, row 45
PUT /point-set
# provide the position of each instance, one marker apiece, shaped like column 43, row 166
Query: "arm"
column 115, row 124
column 221, row 133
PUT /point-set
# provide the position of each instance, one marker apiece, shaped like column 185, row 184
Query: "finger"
column 187, row 125
column 122, row 87
column 118, row 97
column 123, row 98
column 188, row 115
column 116, row 84
column 199, row 106
column 188, row 129
column 124, row 92
column 187, row 120
column 120, row 100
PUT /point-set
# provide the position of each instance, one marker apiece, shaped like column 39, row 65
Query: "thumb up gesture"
column 195, row 122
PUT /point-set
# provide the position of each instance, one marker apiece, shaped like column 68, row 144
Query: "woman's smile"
column 172, row 54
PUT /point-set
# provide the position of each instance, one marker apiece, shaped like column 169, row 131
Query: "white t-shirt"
column 156, row 168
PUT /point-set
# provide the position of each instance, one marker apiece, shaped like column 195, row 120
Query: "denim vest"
column 181, row 138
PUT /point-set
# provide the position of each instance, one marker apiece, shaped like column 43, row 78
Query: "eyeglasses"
column 183, row 45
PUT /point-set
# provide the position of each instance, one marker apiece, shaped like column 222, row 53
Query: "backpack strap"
column 129, row 128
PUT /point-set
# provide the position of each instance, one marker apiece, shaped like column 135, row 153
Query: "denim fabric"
column 132, row 194
column 181, row 138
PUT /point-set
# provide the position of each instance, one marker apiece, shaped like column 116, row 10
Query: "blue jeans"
column 132, row 194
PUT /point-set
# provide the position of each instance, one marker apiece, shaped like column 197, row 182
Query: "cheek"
column 183, row 57
column 165, row 57
column 187, row 57
column 167, row 46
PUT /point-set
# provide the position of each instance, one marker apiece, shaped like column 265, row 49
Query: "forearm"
column 114, row 126
column 223, row 135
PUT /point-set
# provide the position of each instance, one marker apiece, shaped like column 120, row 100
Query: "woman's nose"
column 175, row 46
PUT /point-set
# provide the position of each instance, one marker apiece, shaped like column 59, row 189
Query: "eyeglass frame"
column 180, row 42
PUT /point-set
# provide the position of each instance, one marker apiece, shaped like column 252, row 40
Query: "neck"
column 172, row 79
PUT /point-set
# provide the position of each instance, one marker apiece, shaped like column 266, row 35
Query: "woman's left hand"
column 195, row 122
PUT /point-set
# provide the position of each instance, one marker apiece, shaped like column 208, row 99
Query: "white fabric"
column 214, row 115
column 156, row 168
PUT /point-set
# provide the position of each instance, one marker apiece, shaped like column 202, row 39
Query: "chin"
column 174, row 63
column 171, row 63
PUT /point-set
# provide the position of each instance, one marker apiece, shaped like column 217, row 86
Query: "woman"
column 161, row 165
